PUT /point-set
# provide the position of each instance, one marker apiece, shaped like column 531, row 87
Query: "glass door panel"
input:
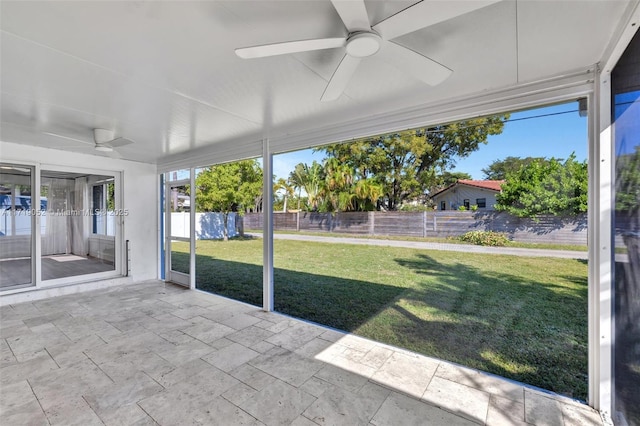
column 17, row 221
column 178, row 249
column 78, row 224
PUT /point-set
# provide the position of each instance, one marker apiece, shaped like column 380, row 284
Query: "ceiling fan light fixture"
column 103, row 148
column 363, row 44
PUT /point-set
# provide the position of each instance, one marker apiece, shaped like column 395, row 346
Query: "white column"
column 167, row 228
column 192, row 229
column 267, row 225
column 36, row 238
column 600, row 246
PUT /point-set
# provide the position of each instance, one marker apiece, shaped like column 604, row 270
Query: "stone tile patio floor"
column 153, row 353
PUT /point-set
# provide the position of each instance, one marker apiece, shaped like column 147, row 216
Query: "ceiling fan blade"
column 68, row 137
column 353, row 13
column 340, row 78
column 424, row 14
column 112, row 154
column 117, row 142
column 421, row 67
column 289, row 47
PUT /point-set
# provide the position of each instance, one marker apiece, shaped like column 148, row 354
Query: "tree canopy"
column 226, row 188
column 447, row 178
column 334, row 186
column 406, row 163
column 628, row 182
column 545, row 187
column 310, row 179
column 499, row 169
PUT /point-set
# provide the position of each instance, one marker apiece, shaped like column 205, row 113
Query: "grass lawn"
column 448, row 240
column 518, row 317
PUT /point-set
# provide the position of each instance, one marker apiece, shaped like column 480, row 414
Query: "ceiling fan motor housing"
column 103, row 135
column 363, row 44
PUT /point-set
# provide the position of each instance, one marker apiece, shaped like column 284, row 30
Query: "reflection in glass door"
column 178, row 227
column 625, row 82
column 78, row 224
column 17, row 222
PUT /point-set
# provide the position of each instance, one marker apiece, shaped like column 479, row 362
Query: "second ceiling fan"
column 364, row 40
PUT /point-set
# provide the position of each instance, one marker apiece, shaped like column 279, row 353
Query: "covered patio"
column 155, row 353
column 108, row 109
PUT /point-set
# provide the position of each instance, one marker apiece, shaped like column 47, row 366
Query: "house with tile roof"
column 468, row 193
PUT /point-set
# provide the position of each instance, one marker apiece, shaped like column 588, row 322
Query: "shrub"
column 485, row 238
column 474, row 207
column 462, row 208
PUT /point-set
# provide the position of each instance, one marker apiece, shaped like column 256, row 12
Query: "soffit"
column 165, row 75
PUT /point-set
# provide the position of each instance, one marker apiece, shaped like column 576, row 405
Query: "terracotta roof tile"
column 493, row 185
column 487, row 184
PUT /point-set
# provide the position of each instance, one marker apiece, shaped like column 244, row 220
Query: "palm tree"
column 338, row 190
column 297, row 180
column 368, row 192
column 284, row 185
column 311, row 180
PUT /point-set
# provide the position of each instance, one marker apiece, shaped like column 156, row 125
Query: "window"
column 102, row 208
column 481, row 203
column 15, row 204
column 466, row 204
column 443, row 205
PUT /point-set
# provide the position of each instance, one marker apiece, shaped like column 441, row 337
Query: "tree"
column 368, row 192
column 628, row 183
column 405, row 163
column 337, row 192
column 310, row 179
column 545, row 187
column 287, row 189
column 447, row 178
column 226, row 188
column 499, row 169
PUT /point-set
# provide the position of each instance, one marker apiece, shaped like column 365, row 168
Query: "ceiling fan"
column 364, row 40
column 104, row 141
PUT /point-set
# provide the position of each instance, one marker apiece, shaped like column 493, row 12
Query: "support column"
column 36, row 238
column 192, row 228
column 267, row 224
column 600, row 246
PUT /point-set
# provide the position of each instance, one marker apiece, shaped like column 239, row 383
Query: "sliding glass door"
column 57, row 226
column 17, row 224
column 178, row 228
column 78, row 224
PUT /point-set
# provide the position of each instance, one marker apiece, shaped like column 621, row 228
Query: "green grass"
column 519, row 317
column 450, row 240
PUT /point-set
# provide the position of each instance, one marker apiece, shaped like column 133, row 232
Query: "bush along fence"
column 441, row 224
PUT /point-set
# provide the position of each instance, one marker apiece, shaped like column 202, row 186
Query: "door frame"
column 180, row 278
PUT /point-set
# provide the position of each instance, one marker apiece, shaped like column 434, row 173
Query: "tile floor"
column 18, row 271
column 153, row 353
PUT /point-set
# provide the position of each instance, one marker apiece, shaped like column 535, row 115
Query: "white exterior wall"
column 139, row 196
column 455, row 197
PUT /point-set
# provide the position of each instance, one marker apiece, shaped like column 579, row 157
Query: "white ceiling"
column 165, row 75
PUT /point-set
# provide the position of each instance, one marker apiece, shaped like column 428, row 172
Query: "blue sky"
column 627, row 112
column 556, row 135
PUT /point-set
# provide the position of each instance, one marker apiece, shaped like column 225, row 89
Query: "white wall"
column 463, row 192
column 140, row 196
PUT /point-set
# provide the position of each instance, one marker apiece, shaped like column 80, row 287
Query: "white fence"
column 209, row 226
